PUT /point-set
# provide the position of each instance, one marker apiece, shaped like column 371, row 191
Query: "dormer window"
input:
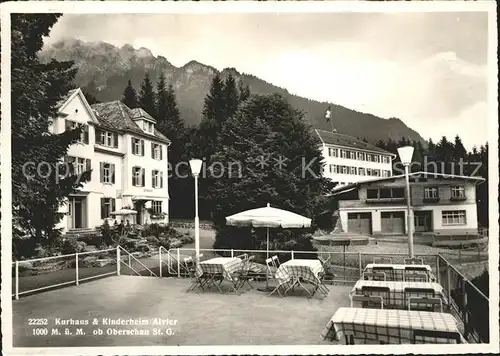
column 148, row 126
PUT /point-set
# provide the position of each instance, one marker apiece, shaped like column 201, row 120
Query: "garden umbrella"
column 268, row 217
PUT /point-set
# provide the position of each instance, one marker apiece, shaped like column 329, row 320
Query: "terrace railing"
column 40, row 274
column 468, row 303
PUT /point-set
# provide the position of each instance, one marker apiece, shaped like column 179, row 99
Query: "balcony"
column 386, row 200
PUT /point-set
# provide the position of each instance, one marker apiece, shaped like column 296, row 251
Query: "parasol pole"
column 267, row 256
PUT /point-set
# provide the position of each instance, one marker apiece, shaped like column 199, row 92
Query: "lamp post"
column 195, row 165
column 405, row 154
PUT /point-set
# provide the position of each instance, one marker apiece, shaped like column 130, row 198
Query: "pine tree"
column 147, row 97
column 36, row 91
column 459, row 152
column 244, row 91
column 130, row 96
column 231, row 97
column 168, row 117
column 213, row 116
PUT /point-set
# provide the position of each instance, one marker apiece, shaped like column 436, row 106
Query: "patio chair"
column 411, row 292
column 242, row 276
column 283, row 278
column 373, row 276
column 414, row 261
column 327, row 275
column 372, row 301
column 194, row 274
column 425, row 304
column 276, row 261
column 382, row 260
column 416, row 277
column 431, row 336
column 387, row 270
column 379, row 291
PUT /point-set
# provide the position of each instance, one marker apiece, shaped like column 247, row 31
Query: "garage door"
column 360, row 223
column 393, row 222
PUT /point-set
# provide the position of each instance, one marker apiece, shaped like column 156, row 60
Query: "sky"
column 428, row 69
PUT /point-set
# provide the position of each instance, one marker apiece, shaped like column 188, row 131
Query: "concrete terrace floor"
column 208, row 318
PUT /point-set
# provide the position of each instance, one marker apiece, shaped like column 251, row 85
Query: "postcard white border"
column 232, row 7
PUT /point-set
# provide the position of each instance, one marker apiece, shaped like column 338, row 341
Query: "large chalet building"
column 349, row 160
column 128, row 158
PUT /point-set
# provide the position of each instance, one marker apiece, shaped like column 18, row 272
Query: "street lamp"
column 195, row 165
column 405, row 154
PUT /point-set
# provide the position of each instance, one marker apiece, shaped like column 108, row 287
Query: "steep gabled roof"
column 139, row 113
column 66, row 99
column 335, row 138
column 118, row 116
column 414, row 175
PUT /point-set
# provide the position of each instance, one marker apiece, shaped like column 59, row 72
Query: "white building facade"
column 128, row 159
column 349, row 160
column 441, row 204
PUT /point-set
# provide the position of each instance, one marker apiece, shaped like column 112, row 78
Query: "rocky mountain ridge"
column 104, row 69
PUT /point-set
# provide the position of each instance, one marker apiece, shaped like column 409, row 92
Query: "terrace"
column 251, row 317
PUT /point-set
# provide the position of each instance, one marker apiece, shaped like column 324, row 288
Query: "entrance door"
column 360, row 223
column 423, row 221
column 139, row 206
column 393, row 222
column 76, row 213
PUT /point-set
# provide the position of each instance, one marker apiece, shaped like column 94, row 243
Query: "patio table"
column 221, row 265
column 390, row 326
column 301, row 270
column 397, row 298
column 395, row 272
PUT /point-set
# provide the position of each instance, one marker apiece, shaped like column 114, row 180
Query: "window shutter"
column 68, row 125
column 152, row 150
column 88, row 164
column 143, row 171
column 161, row 179
column 142, row 147
column 133, row 176
column 112, row 173
column 113, row 205
column 103, row 208
column 153, row 179
column 161, row 152
column 132, row 141
column 86, row 134
column 101, row 172
column 115, row 136
column 98, row 136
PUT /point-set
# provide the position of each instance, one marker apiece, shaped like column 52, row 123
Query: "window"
column 156, row 206
column 156, row 151
column 377, row 158
column 107, row 173
column 157, row 179
column 352, row 155
column 331, row 167
column 333, row 152
column 372, row 193
column 386, row 159
column 78, row 165
column 361, row 171
column 451, row 217
column 137, row 146
column 148, row 126
column 385, row 193
column 106, row 138
column 344, row 170
column 343, row 154
column 138, row 177
column 84, row 136
column 352, row 170
column 386, row 173
column 457, row 192
column 361, row 156
column 376, row 172
column 369, row 172
column 431, row 193
column 107, row 207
